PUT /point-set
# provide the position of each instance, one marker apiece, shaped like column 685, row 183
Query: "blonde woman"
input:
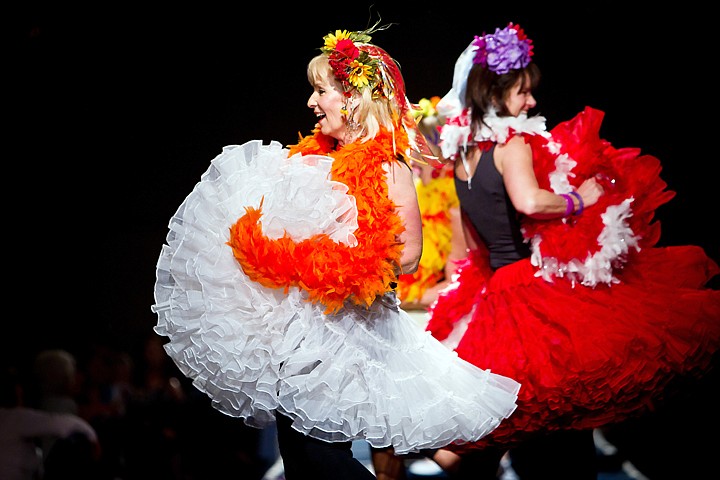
column 276, row 286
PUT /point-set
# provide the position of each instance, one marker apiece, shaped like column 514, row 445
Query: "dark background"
column 116, row 109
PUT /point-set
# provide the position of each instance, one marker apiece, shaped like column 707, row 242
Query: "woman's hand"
column 590, row 191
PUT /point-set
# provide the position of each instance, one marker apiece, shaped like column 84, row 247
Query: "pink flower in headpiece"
column 505, row 50
column 481, row 54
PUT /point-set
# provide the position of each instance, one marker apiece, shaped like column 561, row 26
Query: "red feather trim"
column 626, row 175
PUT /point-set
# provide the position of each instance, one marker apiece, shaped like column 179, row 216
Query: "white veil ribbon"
column 453, row 102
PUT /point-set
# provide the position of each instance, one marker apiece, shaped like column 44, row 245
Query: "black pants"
column 562, row 455
column 305, row 457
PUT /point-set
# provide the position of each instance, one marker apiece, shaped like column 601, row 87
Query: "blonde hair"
column 370, row 113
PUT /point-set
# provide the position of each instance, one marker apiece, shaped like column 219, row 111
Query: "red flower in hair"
column 347, row 48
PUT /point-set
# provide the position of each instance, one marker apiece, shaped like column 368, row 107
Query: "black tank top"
column 489, row 209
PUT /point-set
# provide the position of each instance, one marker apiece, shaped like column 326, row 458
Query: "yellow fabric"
column 435, row 198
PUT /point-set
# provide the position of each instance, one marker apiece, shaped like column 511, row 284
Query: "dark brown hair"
column 486, row 89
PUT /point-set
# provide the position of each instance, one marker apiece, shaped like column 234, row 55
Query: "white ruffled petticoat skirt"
column 371, row 374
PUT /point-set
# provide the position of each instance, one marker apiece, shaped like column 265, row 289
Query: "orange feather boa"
column 331, row 272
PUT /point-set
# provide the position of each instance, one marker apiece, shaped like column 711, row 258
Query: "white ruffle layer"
column 370, row 374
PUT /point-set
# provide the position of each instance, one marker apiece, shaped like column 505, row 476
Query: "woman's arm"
column 514, row 161
column 401, row 190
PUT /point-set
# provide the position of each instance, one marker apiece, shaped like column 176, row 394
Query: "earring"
column 351, row 125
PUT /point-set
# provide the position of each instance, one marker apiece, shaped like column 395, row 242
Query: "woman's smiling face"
column 328, row 102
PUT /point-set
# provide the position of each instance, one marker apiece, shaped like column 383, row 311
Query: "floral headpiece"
column 352, row 66
column 359, row 64
column 505, row 50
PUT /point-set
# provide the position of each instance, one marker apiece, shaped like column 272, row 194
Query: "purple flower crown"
column 505, row 50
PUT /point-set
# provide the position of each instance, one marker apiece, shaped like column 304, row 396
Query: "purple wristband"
column 570, row 204
column 581, row 204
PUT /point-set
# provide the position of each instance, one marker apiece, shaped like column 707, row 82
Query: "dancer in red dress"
column 565, row 289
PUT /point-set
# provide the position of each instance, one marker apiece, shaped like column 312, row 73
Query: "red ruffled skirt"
column 587, row 352
column 587, row 356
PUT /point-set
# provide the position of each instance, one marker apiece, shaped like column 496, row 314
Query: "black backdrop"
column 117, row 109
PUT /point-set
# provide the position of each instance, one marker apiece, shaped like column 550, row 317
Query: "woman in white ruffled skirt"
column 276, row 285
